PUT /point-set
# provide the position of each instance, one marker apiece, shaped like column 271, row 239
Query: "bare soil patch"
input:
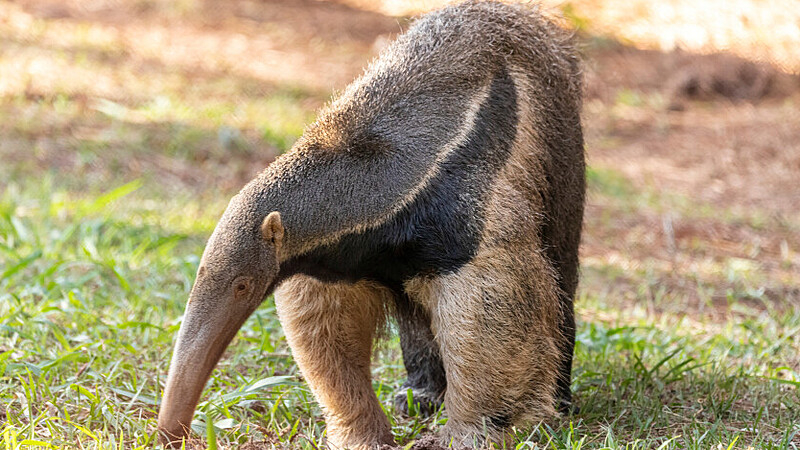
column 733, row 142
column 728, row 152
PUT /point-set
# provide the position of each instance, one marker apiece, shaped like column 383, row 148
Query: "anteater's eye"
column 241, row 285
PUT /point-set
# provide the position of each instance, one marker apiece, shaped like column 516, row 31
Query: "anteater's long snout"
column 204, row 334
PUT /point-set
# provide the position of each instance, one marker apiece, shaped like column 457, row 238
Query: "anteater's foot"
column 566, row 407
column 423, row 402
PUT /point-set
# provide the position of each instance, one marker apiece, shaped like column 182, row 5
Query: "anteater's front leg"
column 330, row 327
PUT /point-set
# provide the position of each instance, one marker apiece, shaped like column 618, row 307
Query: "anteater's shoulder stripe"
column 437, row 226
column 442, row 154
column 398, row 204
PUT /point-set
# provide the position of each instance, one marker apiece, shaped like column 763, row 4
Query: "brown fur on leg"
column 499, row 346
column 330, row 328
column 496, row 321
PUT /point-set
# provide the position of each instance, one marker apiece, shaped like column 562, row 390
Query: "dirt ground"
column 719, row 132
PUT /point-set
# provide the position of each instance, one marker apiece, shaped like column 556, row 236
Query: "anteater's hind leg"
column 497, row 324
column 421, row 357
column 567, row 349
column 330, row 328
column 562, row 235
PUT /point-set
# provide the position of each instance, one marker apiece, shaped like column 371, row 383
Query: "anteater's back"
column 448, row 54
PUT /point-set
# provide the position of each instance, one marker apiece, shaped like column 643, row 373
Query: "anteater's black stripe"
column 440, row 230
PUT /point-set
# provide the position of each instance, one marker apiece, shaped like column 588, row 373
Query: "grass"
column 93, row 287
column 689, row 326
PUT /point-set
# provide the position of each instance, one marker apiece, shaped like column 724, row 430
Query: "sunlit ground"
column 766, row 31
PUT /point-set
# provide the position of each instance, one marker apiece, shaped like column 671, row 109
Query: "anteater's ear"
column 272, row 228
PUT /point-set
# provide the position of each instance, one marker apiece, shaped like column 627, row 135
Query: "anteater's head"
column 238, row 270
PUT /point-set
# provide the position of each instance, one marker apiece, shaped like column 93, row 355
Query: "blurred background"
column 693, row 101
column 127, row 125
